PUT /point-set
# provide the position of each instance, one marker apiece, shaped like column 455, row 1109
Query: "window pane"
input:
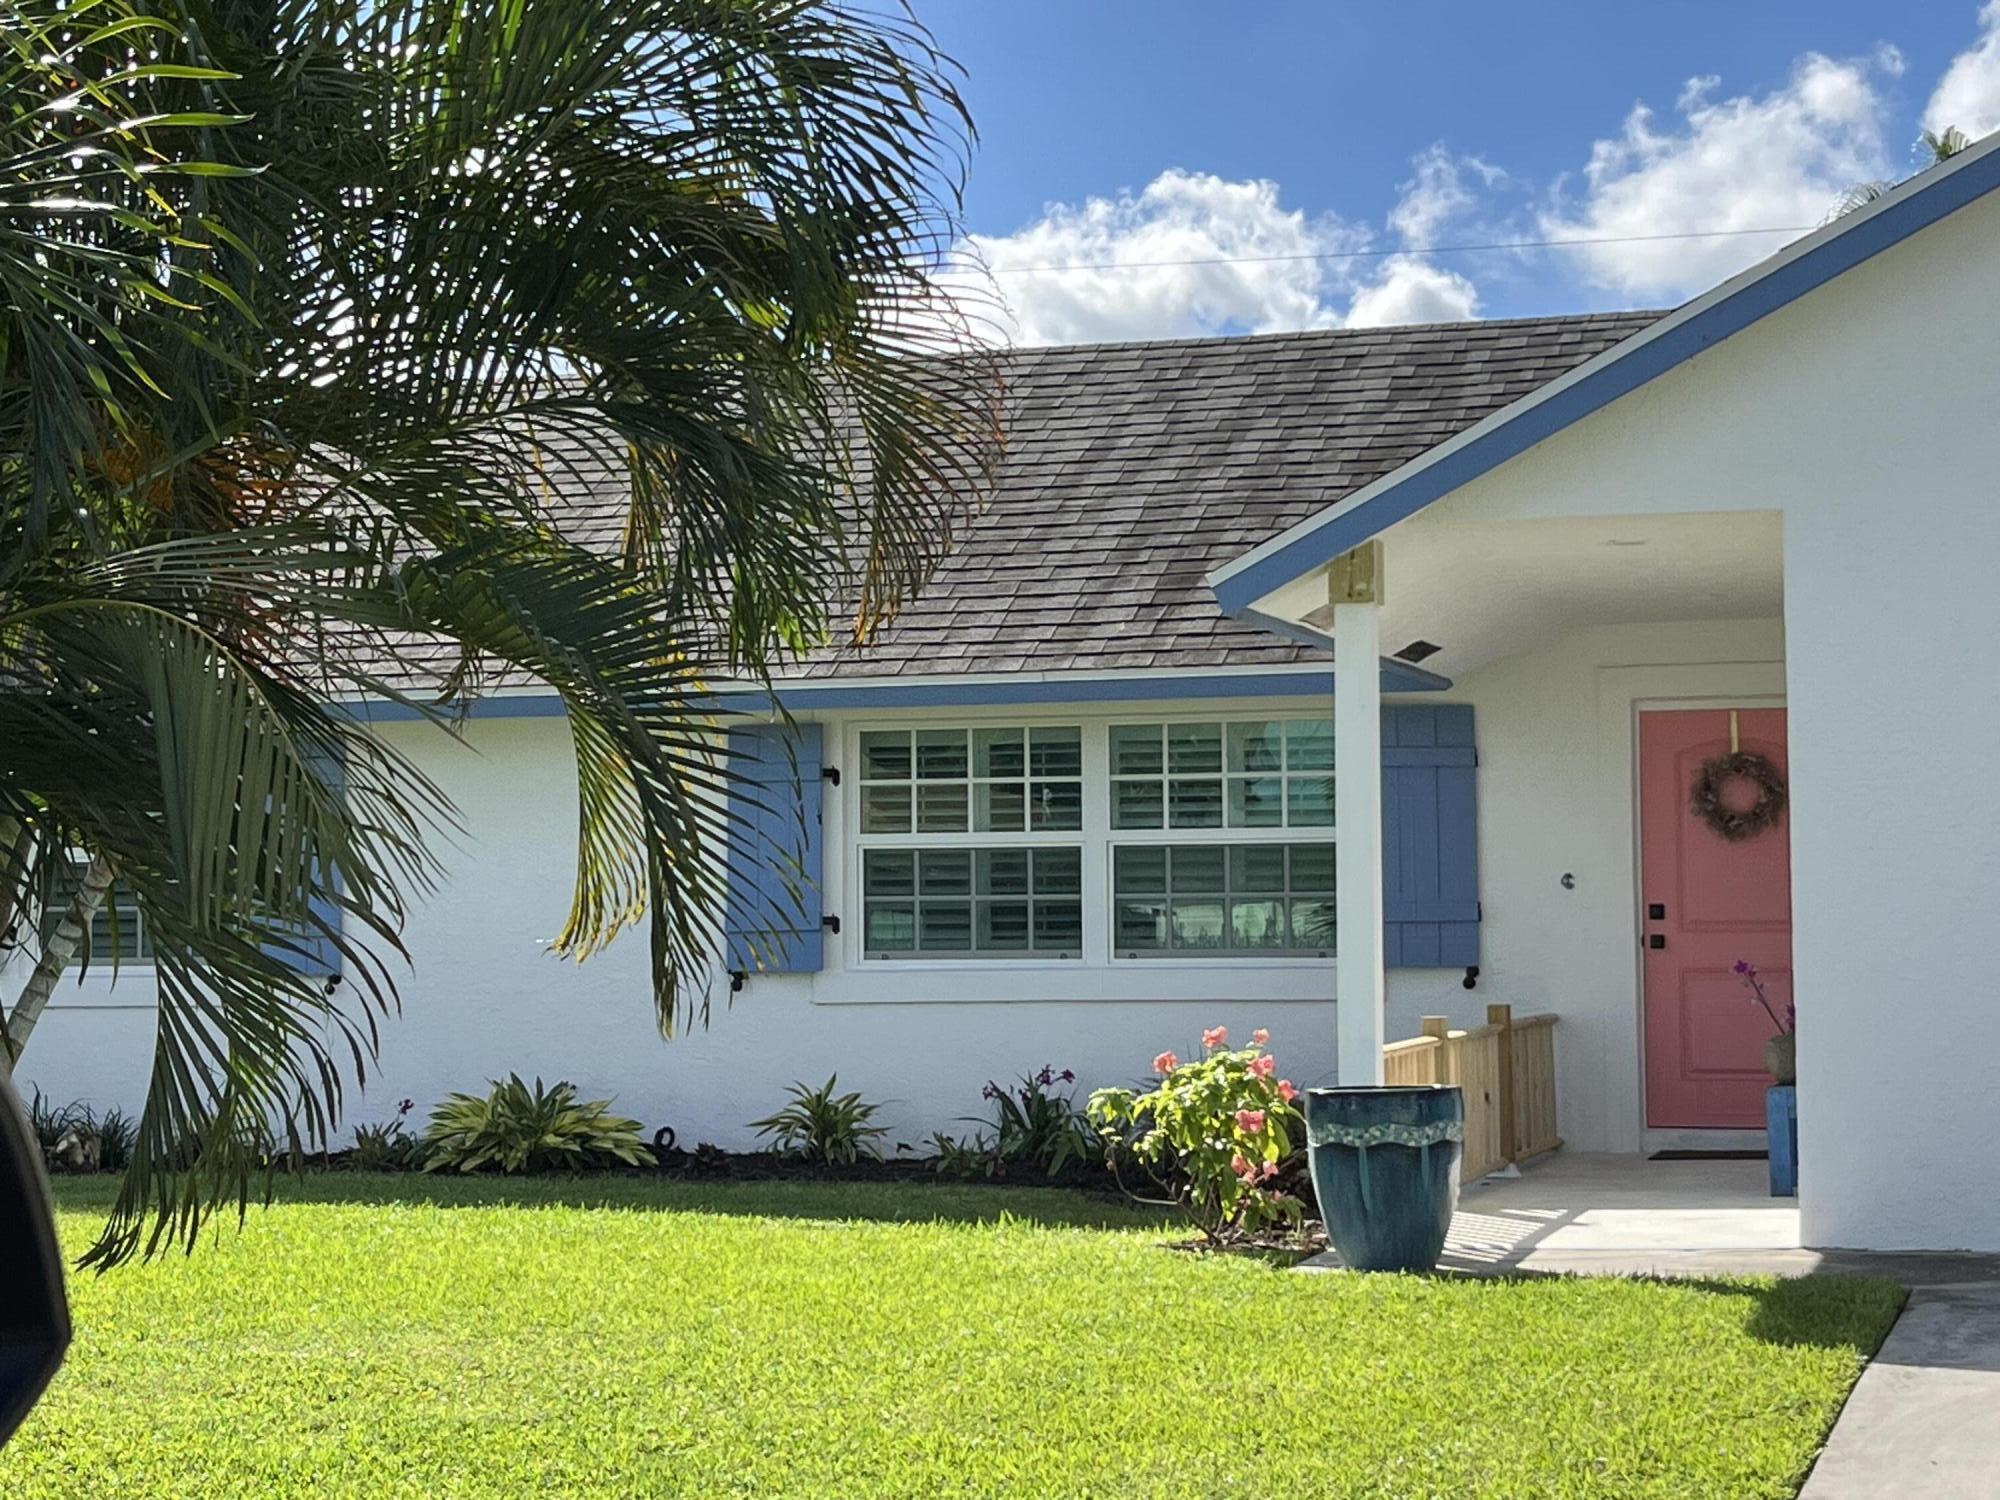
column 945, row 926
column 1003, row 872
column 1003, row 925
column 1056, row 804
column 890, row 927
column 1257, row 867
column 1257, row 924
column 944, row 872
column 1194, row 804
column 1142, row 869
column 1194, row 747
column 1312, row 869
column 1256, row 747
column 1137, row 804
column 1309, row 800
column 885, row 755
column 1198, row 924
column 1055, row 752
column 1002, row 807
column 1198, row 867
column 885, row 809
column 1256, row 802
column 998, row 753
column 941, row 808
column 940, row 754
column 1313, row 925
column 1139, row 924
column 1059, row 924
column 889, row 872
column 1135, row 750
column 1309, row 744
column 1058, row 872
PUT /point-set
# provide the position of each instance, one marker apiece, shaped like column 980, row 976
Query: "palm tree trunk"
column 15, row 838
column 56, row 954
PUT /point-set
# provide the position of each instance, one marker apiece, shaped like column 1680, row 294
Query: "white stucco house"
column 1110, row 780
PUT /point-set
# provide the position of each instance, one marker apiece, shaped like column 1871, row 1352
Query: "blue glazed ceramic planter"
column 1385, row 1168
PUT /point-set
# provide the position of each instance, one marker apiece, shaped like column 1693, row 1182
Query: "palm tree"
column 1942, row 146
column 310, row 312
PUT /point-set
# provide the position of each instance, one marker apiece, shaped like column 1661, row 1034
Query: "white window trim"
column 1096, row 838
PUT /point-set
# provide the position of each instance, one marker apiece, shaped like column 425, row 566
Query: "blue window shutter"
column 771, row 911
column 1430, row 837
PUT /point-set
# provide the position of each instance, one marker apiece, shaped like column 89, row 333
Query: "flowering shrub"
column 1212, row 1131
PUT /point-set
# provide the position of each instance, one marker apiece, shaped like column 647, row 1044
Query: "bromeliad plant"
column 518, row 1129
column 1211, row 1134
column 830, row 1128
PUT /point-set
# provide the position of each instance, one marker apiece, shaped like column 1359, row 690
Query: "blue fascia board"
column 1650, row 354
column 828, row 695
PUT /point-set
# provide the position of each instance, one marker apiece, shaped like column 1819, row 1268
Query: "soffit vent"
column 1416, row 651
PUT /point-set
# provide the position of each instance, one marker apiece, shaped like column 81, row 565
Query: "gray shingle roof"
column 1133, row 470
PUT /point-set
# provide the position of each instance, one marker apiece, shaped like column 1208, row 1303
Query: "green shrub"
column 521, row 1130
column 836, row 1129
column 953, row 1157
column 1036, row 1125
column 117, row 1132
column 389, row 1147
column 1212, row 1134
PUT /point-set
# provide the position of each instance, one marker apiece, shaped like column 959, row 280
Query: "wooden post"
column 1444, row 1068
column 1502, row 1016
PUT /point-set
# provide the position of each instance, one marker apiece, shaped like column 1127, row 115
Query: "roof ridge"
column 1459, row 325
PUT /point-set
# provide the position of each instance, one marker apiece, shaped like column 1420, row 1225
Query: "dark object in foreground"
column 1385, row 1169
column 34, row 1315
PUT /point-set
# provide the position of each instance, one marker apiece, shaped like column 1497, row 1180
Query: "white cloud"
column 1179, row 217
column 1411, row 290
column 1968, row 96
column 1786, row 158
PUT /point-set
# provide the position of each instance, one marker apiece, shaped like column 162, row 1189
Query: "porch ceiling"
column 1484, row 590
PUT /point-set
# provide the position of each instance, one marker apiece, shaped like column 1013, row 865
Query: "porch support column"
column 1354, row 583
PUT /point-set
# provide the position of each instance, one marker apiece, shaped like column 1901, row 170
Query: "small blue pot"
column 1385, row 1168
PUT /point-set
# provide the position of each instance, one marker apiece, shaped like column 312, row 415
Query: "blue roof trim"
column 832, row 694
column 1646, row 357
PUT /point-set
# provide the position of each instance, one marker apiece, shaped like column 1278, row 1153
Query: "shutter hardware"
column 831, row 922
column 831, row 773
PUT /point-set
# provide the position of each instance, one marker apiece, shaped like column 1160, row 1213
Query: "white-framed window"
column 969, row 841
column 1222, row 837
column 1142, row 837
column 1235, row 773
column 117, row 928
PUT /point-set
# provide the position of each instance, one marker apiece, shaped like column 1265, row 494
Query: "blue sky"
column 1119, row 132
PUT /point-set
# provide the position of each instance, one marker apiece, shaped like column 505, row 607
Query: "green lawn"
column 400, row 1336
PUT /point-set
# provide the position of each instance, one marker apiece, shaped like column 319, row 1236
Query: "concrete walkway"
column 1923, row 1422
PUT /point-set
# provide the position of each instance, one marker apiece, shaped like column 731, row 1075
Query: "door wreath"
column 1732, row 823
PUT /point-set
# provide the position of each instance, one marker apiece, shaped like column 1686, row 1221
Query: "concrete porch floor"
column 1580, row 1213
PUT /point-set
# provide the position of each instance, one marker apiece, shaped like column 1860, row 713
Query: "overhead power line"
column 1258, row 260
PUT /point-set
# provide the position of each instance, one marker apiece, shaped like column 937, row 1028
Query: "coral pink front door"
column 1706, row 902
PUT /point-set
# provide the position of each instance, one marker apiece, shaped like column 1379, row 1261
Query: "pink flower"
column 1249, row 1121
column 1261, row 1067
column 1270, row 1170
column 1260, row 1036
column 1215, row 1036
column 1166, row 1062
column 1240, row 1165
column 1285, row 1090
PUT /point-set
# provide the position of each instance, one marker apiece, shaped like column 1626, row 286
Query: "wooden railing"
column 1507, row 1071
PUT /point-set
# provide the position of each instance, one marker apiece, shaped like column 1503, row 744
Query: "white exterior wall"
column 485, row 998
